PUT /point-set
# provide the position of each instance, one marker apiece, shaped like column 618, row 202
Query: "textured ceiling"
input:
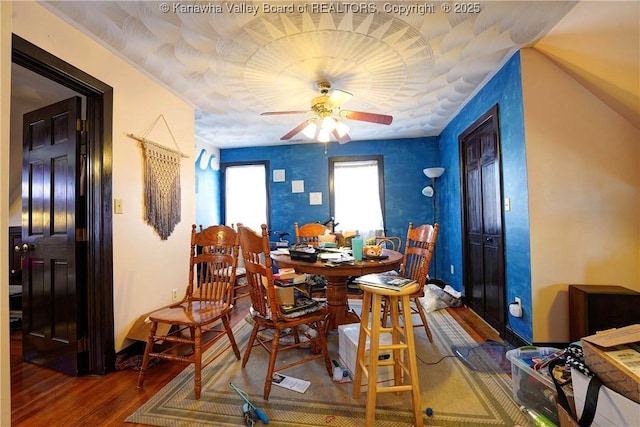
column 418, row 65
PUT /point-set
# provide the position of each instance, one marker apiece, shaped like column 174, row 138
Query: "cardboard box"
column 348, row 350
column 612, row 408
column 566, row 419
column 614, row 358
column 284, row 295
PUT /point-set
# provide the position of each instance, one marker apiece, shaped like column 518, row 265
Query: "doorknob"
column 24, row 248
column 488, row 239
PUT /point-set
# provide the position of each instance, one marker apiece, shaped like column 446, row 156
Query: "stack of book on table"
column 386, row 281
column 289, row 277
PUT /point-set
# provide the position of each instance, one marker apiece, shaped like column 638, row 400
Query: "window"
column 246, row 194
column 356, row 193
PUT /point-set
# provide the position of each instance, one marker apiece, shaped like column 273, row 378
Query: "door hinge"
column 81, row 235
column 83, row 344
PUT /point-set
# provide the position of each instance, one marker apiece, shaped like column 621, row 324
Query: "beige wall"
column 583, row 162
column 598, row 43
column 145, row 268
column 5, row 89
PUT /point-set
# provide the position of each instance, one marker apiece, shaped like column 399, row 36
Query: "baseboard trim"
column 514, row 339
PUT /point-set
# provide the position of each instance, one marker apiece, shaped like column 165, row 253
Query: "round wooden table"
column 337, row 303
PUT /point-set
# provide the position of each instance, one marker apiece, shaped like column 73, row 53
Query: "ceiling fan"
column 326, row 110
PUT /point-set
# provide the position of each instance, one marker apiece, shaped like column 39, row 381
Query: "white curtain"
column 357, row 198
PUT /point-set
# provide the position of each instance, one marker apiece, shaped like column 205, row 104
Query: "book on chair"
column 387, row 281
column 301, row 303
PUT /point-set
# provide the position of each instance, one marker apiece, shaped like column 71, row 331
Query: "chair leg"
column 192, row 334
column 147, row 351
column 252, row 338
column 232, row 340
column 272, row 363
column 296, row 334
column 423, row 316
column 197, row 361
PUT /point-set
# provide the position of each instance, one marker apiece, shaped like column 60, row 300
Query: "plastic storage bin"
column 533, row 388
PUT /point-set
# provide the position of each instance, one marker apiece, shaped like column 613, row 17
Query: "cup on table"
column 356, row 248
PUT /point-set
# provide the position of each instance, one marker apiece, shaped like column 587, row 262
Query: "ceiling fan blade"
column 296, row 130
column 341, row 139
column 276, row 113
column 382, row 119
column 338, row 97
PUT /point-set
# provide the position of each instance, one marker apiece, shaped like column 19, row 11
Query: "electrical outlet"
column 174, row 295
column 515, row 308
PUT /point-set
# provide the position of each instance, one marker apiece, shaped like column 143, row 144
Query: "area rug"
column 489, row 356
column 456, row 395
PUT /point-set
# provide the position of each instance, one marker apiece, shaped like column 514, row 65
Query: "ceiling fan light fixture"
column 338, row 98
column 326, row 110
column 328, row 124
column 310, row 130
column 323, row 136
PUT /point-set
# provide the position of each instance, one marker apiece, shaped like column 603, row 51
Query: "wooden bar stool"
column 405, row 368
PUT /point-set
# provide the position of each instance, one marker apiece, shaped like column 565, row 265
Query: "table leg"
column 339, row 313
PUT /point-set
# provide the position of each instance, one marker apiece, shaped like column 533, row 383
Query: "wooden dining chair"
column 267, row 314
column 205, row 307
column 390, row 242
column 418, row 251
column 310, row 233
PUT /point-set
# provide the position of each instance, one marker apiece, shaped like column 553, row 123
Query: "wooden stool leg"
column 374, row 349
column 413, row 365
column 362, row 337
column 395, row 339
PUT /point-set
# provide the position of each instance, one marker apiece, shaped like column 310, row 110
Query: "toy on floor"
column 249, row 409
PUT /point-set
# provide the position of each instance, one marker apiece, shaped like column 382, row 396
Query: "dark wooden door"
column 483, row 239
column 54, row 322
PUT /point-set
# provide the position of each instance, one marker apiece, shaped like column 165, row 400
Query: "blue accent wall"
column 504, row 89
column 404, row 160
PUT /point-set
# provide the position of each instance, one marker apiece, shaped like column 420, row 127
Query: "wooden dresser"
column 595, row 308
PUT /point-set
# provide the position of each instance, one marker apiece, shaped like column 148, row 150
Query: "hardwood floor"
column 43, row 397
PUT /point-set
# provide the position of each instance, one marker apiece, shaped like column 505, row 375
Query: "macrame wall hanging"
column 162, row 193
